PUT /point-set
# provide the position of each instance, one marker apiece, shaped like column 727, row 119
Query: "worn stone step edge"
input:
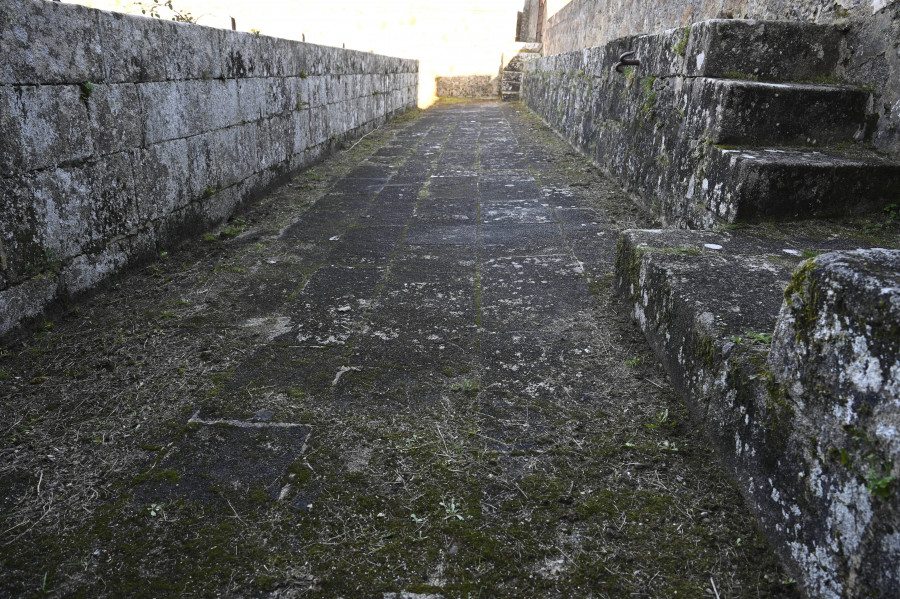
column 768, row 50
column 736, row 111
column 751, row 184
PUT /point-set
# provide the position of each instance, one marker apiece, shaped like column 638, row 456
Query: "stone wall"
column 468, row 86
column 449, row 39
column 121, row 134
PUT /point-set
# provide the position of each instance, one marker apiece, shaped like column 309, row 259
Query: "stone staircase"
column 783, row 138
column 764, row 344
column 722, row 122
column 514, row 61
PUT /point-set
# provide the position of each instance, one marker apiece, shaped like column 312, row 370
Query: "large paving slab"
column 405, row 373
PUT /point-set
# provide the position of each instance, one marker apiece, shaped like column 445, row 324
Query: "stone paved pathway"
column 404, row 372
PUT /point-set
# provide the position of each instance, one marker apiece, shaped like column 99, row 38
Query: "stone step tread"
column 791, row 85
column 770, row 50
column 826, row 157
column 701, row 267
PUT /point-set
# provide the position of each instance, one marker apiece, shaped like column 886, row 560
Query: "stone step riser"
column 745, row 112
column 753, row 185
column 771, row 50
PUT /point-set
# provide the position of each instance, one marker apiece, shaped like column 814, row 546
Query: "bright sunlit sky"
column 448, row 37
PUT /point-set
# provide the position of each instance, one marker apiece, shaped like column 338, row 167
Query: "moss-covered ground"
column 405, row 371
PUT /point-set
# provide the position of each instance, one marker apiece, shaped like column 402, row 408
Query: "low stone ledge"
column 809, row 429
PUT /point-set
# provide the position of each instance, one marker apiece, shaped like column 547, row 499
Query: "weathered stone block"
column 334, row 90
column 718, row 48
column 319, row 128
column 205, row 162
column 42, row 126
column 140, row 49
column 336, row 116
column 275, row 142
column 234, row 145
column 63, row 210
column 318, row 91
column 239, row 54
column 836, row 350
column 179, row 109
column 510, row 86
column 251, row 98
column 282, row 99
column 169, row 111
column 49, row 43
column 162, row 179
column 115, row 117
column 222, row 204
column 301, row 130
column 27, row 300
column 86, row 270
column 284, row 57
column 113, row 202
column 734, row 111
column 218, row 159
column 19, row 230
column 810, row 433
column 752, row 183
column 218, row 102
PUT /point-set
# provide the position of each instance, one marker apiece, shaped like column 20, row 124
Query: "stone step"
column 771, row 50
column 511, row 81
column 510, row 86
column 712, row 306
column 730, row 111
column 518, row 62
column 732, row 48
column 530, row 48
column 752, row 183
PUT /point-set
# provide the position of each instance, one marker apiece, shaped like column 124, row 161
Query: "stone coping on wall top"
column 49, row 42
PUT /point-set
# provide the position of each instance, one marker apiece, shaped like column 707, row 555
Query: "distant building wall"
column 119, row 134
column 528, row 28
column 468, row 86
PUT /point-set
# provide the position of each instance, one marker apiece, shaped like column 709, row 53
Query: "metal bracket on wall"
column 624, row 61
